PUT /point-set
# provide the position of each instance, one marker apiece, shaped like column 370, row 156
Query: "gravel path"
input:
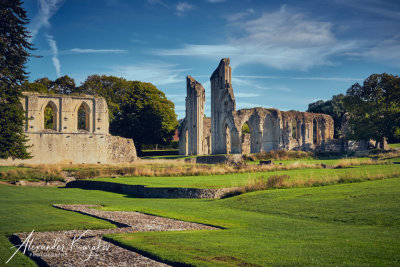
column 87, row 248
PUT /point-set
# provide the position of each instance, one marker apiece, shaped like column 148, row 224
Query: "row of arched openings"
column 50, row 117
column 295, row 132
column 296, row 127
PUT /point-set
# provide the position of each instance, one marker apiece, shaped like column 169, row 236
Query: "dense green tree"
column 46, row 83
column 14, row 53
column 138, row 110
column 374, row 108
column 334, row 107
column 64, row 85
column 34, row 87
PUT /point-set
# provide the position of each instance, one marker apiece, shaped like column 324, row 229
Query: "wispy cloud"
column 386, row 9
column 246, row 95
column 215, row 1
column 93, row 51
column 183, row 7
column 47, row 8
column 281, row 39
column 249, row 83
column 239, row 15
column 158, row 2
column 156, row 73
column 336, row 79
column 54, row 50
column 386, row 51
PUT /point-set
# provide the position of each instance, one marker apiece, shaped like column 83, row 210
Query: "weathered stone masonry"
column 270, row 129
column 68, row 141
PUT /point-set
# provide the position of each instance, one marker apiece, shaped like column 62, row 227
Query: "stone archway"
column 50, row 116
column 83, row 117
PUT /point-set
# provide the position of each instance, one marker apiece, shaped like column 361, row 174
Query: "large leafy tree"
column 138, row 110
column 14, row 53
column 64, row 85
column 334, row 107
column 374, row 108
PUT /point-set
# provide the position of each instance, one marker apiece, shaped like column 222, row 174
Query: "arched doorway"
column 246, row 138
column 315, row 132
column 50, row 117
column 227, row 139
column 83, row 118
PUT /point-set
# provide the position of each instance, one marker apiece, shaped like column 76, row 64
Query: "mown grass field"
column 397, row 145
column 339, row 225
column 351, row 224
column 241, row 179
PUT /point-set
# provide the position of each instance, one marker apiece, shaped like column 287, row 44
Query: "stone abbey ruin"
column 75, row 132
column 269, row 129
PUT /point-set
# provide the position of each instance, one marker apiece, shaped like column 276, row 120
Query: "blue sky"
column 284, row 54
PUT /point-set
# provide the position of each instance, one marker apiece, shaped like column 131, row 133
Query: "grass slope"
column 340, row 225
column 347, row 225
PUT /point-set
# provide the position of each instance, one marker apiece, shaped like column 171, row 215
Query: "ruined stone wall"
column 270, row 129
column 194, row 115
column 223, row 108
column 65, row 142
column 66, row 113
column 193, row 124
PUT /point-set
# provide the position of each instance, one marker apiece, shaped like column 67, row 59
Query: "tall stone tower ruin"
column 223, row 130
column 195, row 100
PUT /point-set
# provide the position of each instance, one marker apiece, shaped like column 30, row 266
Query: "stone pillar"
column 222, row 105
column 195, row 100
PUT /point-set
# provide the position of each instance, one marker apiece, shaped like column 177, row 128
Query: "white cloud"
column 240, row 15
column 54, row 50
column 82, row 50
column 245, row 95
column 183, row 7
column 157, row 2
column 386, row 9
column 215, row 1
column 251, row 84
column 386, row 51
column 336, row 79
column 156, row 73
column 47, row 8
column 282, row 40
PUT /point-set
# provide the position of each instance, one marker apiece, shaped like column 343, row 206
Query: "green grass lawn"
column 240, row 179
column 7, row 168
column 339, row 225
column 24, row 209
column 394, row 145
